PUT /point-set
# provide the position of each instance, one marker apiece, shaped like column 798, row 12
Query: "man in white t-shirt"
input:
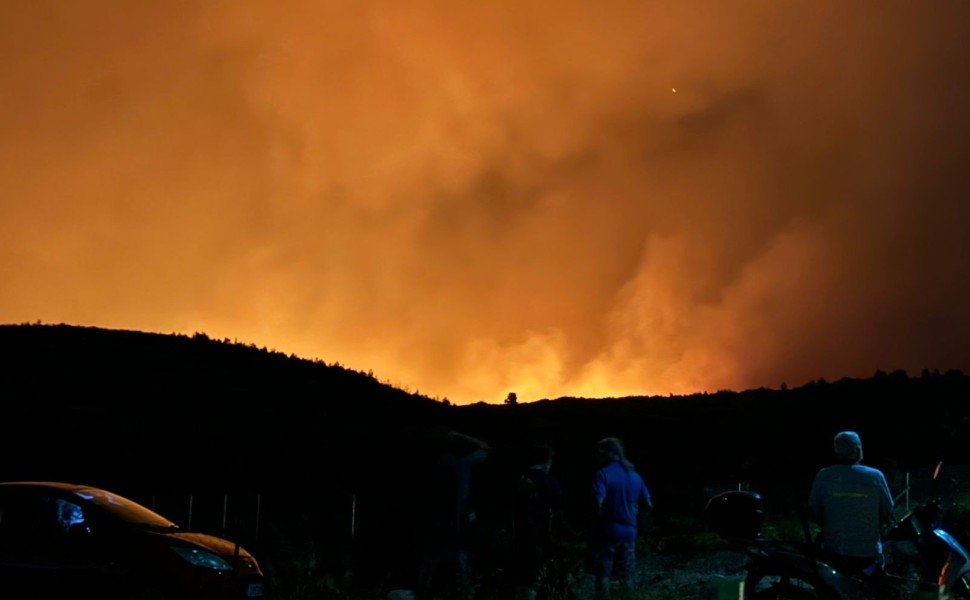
column 852, row 503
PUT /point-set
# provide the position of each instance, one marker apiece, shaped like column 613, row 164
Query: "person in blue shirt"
column 619, row 493
column 852, row 504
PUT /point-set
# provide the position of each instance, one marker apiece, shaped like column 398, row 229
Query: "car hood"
column 220, row 546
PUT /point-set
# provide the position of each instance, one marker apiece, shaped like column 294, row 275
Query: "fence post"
column 258, row 502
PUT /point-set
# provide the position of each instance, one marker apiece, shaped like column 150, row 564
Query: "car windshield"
column 124, row 509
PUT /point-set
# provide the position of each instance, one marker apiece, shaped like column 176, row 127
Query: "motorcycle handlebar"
column 918, row 519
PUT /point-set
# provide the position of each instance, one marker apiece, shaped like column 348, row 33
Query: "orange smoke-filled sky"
column 473, row 198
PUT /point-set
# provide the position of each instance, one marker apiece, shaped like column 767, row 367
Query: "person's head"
column 439, row 442
column 848, row 447
column 610, row 450
column 539, row 455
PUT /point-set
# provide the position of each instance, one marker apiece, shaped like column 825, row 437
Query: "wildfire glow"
column 476, row 198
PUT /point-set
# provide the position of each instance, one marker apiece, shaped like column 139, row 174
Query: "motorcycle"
column 923, row 559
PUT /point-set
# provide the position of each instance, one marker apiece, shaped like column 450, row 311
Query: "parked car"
column 60, row 540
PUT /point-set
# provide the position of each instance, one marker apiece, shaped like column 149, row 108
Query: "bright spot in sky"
column 674, row 90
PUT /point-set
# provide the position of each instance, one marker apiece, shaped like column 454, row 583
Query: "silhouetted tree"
column 512, row 399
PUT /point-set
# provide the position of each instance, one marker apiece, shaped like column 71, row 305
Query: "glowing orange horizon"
column 475, row 199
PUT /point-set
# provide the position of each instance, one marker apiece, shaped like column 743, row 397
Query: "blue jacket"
column 619, row 493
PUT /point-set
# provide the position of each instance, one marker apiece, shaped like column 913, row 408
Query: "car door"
column 47, row 546
column 30, row 564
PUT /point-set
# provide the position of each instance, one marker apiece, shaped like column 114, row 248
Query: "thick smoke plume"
column 571, row 198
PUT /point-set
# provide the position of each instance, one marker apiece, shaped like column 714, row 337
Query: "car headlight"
column 202, row 558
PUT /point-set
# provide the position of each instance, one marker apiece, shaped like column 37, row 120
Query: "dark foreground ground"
column 708, row 575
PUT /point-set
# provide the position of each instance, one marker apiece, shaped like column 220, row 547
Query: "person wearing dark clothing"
column 538, row 497
column 444, row 515
column 619, row 493
column 852, row 504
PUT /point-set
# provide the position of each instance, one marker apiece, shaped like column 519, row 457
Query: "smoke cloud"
column 470, row 199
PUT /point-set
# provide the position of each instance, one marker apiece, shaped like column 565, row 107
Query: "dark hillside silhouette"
column 331, row 448
column 95, row 403
column 108, row 398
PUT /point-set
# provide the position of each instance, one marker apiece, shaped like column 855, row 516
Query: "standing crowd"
column 438, row 562
column 850, row 502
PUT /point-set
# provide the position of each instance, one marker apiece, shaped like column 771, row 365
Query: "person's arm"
column 814, row 504
column 646, row 508
column 645, row 496
column 886, row 504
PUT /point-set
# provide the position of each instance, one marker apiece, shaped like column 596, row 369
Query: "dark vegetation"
column 322, row 452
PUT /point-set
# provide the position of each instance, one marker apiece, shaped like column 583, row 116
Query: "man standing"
column 538, row 497
column 851, row 502
column 440, row 513
column 618, row 494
